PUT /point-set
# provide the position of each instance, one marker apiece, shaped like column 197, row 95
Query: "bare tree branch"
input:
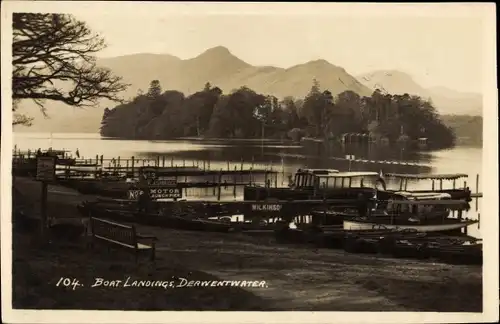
column 53, row 59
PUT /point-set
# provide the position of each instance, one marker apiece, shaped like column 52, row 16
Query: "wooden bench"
column 121, row 235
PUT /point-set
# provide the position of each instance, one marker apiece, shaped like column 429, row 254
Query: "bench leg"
column 136, row 255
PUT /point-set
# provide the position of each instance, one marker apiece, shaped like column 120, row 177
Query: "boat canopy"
column 452, row 176
column 318, row 171
column 446, row 202
column 423, row 195
column 355, row 174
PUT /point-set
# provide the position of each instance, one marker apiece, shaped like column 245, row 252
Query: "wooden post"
column 227, row 165
column 234, row 182
column 276, row 180
column 440, row 184
column 432, row 185
column 213, row 184
column 454, row 185
column 218, row 184
column 43, row 209
column 479, row 221
column 477, row 191
column 117, row 166
column 203, row 165
column 172, row 162
column 132, row 166
column 158, row 161
column 163, row 161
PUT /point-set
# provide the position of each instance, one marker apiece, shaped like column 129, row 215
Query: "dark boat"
column 309, row 184
column 124, row 211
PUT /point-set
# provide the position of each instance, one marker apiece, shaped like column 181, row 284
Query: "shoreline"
column 297, row 277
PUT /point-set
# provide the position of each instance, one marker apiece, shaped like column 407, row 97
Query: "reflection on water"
column 285, row 157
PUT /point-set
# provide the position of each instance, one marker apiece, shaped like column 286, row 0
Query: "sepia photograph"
column 325, row 159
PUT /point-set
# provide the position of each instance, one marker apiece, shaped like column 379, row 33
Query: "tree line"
column 53, row 58
column 244, row 113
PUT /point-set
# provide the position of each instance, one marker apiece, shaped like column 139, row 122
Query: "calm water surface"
column 285, row 157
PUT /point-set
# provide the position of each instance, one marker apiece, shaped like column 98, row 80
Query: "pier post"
column 203, row 165
column 213, row 187
column 118, row 165
column 208, row 166
column 477, row 191
column 157, row 161
column 218, row 184
column 479, row 221
column 132, row 166
column 440, row 184
column 241, row 167
column 234, row 182
column 96, row 164
column 172, row 162
column 102, row 160
column 227, row 165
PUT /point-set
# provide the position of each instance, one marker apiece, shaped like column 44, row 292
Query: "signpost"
column 45, row 172
column 156, row 193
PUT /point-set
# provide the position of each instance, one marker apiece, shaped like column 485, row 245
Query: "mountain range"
column 223, row 69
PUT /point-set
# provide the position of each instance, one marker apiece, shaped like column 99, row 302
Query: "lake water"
column 285, row 157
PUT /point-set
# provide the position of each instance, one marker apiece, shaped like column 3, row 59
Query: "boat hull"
column 350, row 225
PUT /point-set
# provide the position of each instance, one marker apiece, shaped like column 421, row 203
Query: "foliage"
column 243, row 113
column 52, row 57
column 468, row 129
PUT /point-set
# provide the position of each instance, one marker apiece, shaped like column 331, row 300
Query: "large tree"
column 53, row 59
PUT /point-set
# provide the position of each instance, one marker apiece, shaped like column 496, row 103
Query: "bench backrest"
column 114, row 231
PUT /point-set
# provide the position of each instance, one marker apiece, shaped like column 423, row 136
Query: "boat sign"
column 148, row 172
column 267, row 207
column 45, row 168
column 165, row 182
column 156, row 193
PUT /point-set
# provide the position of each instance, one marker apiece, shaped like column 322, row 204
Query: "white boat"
column 358, row 224
column 414, row 221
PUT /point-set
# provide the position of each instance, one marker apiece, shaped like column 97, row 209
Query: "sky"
column 438, row 46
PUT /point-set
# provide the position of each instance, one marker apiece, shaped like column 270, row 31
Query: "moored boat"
column 455, row 192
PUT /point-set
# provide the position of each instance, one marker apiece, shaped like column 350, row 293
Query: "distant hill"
column 445, row 100
column 221, row 68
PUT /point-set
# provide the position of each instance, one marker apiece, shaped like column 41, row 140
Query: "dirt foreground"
column 277, row 276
